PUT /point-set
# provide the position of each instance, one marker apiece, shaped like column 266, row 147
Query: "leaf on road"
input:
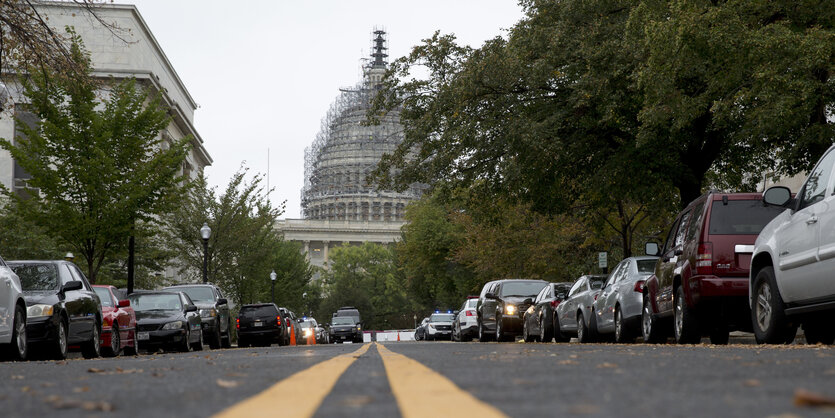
column 567, row 362
column 607, row 366
column 17, row 377
column 752, row 383
column 227, row 383
column 95, row 370
column 81, row 389
column 803, row 397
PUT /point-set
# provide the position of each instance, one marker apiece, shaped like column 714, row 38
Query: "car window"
column 668, row 243
column 472, row 303
column 815, row 188
column 596, row 282
column 155, row 302
column 575, row 288
column 646, row 266
column 253, row 311
column 698, row 213
column 104, row 296
column 682, row 229
column 439, row 317
column 624, row 270
column 198, row 293
column 37, row 277
column 741, row 217
column 521, row 288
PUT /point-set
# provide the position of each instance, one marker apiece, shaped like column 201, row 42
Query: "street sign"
column 602, row 260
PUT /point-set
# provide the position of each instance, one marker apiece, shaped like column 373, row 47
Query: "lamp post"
column 272, row 285
column 414, row 317
column 205, row 233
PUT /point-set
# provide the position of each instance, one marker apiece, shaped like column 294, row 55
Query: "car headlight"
column 308, row 332
column 510, row 309
column 173, row 325
column 35, row 311
column 208, row 313
column 430, row 326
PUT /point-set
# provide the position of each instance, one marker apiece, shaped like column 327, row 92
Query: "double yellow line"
column 411, row 383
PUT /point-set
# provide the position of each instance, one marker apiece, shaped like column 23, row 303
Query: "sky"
column 265, row 72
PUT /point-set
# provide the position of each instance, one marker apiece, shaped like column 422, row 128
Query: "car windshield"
column 741, row 217
column 104, row 296
column 441, row 317
column 155, row 302
column 198, row 293
column 343, row 320
column 561, row 291
column 529, row 289
column 258, row 311
column 37, row 277
column 646, row 266
column 307, row 324
column 472, row 303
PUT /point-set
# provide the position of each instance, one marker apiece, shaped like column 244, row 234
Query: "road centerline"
column 298, row 395
column 412, row 384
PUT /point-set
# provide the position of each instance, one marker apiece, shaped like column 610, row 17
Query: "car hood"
column 49, row 297
column 156, row 317
column 342, row 327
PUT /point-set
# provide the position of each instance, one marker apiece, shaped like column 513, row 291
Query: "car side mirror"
column 527, row 301
column 777, row 196
column 652, row 248
column 222, row 301
column 191, row 308
column 124, row 303
column 73, row 285
column 490, row 295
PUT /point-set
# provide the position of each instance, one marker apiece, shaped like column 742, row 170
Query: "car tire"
column 546, row 332
column 594, row 336
column 582, row 329
column 115, row 342
column 720, row 335
column 500, row 335
column 526, row 336
column 768, row 313
column 819, row 330
column 685, row 325
column 198, row 346
column 215, row 338
column 18, row 347
column 92, row 348
column 185, row 346
column 622, row 334
column 60, row 347
column 558, row 334
column 649, row 325
column 483, row 336
column 226, row 340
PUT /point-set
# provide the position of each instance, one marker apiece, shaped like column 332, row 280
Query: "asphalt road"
column 430, row 379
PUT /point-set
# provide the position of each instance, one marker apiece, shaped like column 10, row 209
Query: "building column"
column 307, row 250
column 325, row 251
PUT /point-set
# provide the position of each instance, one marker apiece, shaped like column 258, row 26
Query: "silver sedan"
column 618, row 307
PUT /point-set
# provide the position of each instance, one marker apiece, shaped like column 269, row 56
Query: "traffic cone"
column 398, row 335
column 292, row 334
column 311, row 339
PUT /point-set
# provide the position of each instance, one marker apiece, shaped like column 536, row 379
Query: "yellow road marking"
column 413, row 383
column 298, row 395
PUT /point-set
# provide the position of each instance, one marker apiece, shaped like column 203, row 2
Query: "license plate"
column 258, row 324
column 143, row 336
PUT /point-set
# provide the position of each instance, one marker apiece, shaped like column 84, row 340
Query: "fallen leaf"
column 81, row 389
column 25, row 389
column 97, row 406
column 567, row 362
column 752, row 383
column 227, row 383
column 95, row 370
column 17, row 377
column 607, row 366
column 803, row 397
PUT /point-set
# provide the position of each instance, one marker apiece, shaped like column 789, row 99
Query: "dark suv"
column 701, row 279
column 214, row 312
column 260, row 323
column 502, row 305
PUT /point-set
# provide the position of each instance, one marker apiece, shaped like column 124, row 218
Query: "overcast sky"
column 265, row 72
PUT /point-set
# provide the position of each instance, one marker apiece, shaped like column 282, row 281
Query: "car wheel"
column 18, row 348
column 215, row 338
column 649, row 325
column 59, row 350
column 526, row 336
column 819, row 331
column 482, row 335
column 186, row 344
column 622, row 335
column 115, row 342
column 685, row 327
column 593, row 334
column 558, row 334
column 768, row 314
column 198, row 346
column 546, row 333
column 499, row 332
column 582, row 330
column 92, row 348
column 720, row 335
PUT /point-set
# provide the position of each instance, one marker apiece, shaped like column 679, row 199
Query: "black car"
column 260, row 324
column 501, row 306
column 166, row 319
column 61, row 307
column 214, row 312
column 344, row 328
column 539, row 318
column 420, row 331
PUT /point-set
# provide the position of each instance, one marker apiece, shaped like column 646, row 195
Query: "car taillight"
column 287, row 321
column 639, row 286
column 238, row 323
column 470, row 313
column 278, row 321
column 704, row 258
column 554, row 303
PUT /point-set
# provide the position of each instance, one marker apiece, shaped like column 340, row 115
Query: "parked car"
column 259, row 324
column 291, row 326
column 118, row 330
column 792, row 264
column 214, row 312
column 701, row 280
column 465, row 325
column 619, row 305
column 13, row 341
column 321, row 334
column 344, row 328
column 166, row 319
column 574, row 314
column 439, row 326
column 501, row 306
column 62, row 309
column 420, row 331
column 539, row 318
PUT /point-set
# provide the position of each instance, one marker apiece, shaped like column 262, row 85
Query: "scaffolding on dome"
column 345, row 151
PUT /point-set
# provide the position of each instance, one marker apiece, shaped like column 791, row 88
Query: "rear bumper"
column 714, row 286
column 259, row 334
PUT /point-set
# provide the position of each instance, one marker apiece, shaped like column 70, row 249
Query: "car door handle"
column 812, row 220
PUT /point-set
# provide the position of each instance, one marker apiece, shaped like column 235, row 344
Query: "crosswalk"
column 418, row 390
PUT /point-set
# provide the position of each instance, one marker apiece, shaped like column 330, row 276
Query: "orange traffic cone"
column 398, row 335
column 292, row 334
column 311, row 339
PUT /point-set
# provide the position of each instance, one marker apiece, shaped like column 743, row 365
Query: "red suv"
column 701, row 279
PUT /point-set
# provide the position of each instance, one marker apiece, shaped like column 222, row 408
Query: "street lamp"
column 205, row 233
column 272, row 287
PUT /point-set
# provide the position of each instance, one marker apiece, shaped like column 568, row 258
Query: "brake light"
column 238, row 323
column 287, row 321
column 470, row 313
column 278, row 321
column 704, row 258
column 639, row 286
column 555, row 302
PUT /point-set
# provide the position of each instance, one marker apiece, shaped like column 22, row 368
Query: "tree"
column 97, row 166
column 24, row 240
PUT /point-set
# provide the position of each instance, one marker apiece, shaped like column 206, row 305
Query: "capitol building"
column 339, row 206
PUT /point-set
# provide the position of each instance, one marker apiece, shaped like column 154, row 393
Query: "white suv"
column 793, row 260
column 12, row 315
